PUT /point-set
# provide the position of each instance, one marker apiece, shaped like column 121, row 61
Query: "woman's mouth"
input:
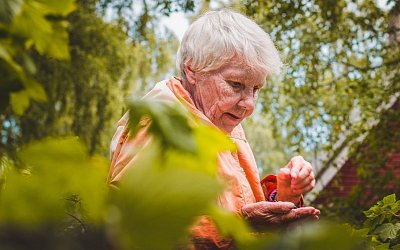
column 233, row 116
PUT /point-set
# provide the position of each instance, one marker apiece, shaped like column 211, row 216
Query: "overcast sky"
column 177, row 22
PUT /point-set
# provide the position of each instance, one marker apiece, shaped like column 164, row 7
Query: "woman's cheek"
column 213, row 111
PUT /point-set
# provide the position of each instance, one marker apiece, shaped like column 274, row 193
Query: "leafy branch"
column 49, row 37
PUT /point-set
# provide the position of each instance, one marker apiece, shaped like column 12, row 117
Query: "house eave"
column 333, row 164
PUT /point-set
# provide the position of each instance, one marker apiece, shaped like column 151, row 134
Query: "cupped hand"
column 295, row 179
column 264, row 215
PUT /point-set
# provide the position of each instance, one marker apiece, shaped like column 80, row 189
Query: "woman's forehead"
column 241, row 72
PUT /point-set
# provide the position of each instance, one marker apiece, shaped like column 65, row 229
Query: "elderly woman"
column 224, row 60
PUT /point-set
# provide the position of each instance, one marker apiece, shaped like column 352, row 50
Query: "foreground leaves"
column 172, row 182
column 383, row 221
column 168, row 123
column 158, row 200
column 53, row 170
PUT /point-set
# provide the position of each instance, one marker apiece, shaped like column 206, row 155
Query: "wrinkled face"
column 227, row 95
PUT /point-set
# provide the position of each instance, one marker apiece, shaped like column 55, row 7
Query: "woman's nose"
column 247, row 101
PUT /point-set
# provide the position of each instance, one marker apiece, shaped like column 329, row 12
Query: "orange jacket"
column 238, row 169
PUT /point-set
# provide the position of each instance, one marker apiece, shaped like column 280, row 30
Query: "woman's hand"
column 295, row 179
column 264, row 215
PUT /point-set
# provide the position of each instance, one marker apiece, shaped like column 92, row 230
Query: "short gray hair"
column 218, row 36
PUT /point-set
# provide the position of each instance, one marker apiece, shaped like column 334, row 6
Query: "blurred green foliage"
column 52, row 170
column 64, row 55
column 87, row 93
column 168, row 122
column 173, row 180
column 24, row 25
column 57, row 185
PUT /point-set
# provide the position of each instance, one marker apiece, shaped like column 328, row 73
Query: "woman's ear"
column 190, row 74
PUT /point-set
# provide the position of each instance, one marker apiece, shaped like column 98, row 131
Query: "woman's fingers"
column 272, row 214
column 305, row 183
column 295, row 165
column 300, row 213
column 263, row 207
column 295, row 179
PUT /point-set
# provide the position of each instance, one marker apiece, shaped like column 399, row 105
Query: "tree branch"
column 79, row 221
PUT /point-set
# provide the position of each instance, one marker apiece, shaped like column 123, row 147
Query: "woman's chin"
column 228, row 125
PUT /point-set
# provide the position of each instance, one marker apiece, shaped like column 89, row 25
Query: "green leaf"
column 57, row 45
column 396, row 207
column 8, row 9
column 49, row 37
column 19, row 101
column 209, row 142
column 390, row 199
column 160, row 202
column 320, row 235
column 385, row 246
column 58, row 7
column 29, row 65
column 64, row 163
column 387, row 231
column 54, row 170
column 168, row 123
column 396, row 247
column 7, row 57
column 168, row 175
column 361, row 233
column 35, row 91
column 232, row 225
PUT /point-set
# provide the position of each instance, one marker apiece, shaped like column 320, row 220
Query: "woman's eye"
column 235, row 85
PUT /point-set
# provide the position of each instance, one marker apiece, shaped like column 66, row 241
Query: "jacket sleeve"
column 124, row 148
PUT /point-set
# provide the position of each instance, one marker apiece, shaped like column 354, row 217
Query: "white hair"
column 218, row 36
